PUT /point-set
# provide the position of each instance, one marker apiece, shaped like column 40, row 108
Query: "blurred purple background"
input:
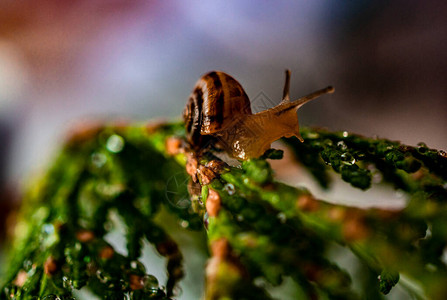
column 61, row 61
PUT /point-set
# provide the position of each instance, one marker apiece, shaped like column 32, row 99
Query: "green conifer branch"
column 257, row 228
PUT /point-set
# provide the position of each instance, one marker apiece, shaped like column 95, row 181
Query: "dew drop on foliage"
column 259, row 282
column 431, row 267
column 229, row 188
column 177, row 291
column 399, row 194
column 48, row 229
column 51, row 297
column 184, row 224
column 67, row 282
column 328, row 142
column 282, row 217
column 135, row 265
column 48, row 237
column 422, row 147
column 444, row 256
column 206, row 219
column 347, row 159
column 102, row 276
column 313, row 135
column 78, row 246
column 342, row 145
column 115, row 143
column 27, row 265
column 98, row 159
column 150, row 283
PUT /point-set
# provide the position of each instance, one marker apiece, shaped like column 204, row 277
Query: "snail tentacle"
column 286, row 90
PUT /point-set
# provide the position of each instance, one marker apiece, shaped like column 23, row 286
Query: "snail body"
column 218, row 111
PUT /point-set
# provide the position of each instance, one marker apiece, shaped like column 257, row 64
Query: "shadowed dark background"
column 61, row 61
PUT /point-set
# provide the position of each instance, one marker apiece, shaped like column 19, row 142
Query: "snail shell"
column 218, row 111
column 216, row 103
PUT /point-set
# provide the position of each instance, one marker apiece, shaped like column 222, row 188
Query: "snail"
column 218, row 112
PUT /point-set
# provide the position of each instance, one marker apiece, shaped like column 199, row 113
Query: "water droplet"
column 422, row 147
column 77, row 284
column 259, row 282
column 282, row 217
column 135, row 265
column 177, row 291
column 48, row 237
column 342, row 145
column 115, row 143
column 103, row 276
column 124, row 284
column 98, row 159
column 431, row 267
column 428, row 232
column 27, row 265
column 48, row 229
column 32, row 271
column 345, row 134
column 444, row 256
column 317, row 144
column 184, row 223
column 328, row 142
column 399, row 194
column 229, row 188
column 275, row 199
column 313, row 135
column 347, row 159
column 150, row 283
column 51, row 297
column 108, row 225
column 183, row 203
column 206, row 220
column 7, row 291
column 109, row 190
column 78, row 246
column 68, row 258
column 67, row 283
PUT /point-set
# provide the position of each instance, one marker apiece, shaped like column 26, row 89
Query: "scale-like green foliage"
column 260, row 231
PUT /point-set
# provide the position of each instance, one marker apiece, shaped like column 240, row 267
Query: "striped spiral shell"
column 216, row 103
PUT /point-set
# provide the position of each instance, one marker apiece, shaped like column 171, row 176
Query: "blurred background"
column 64, row 61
